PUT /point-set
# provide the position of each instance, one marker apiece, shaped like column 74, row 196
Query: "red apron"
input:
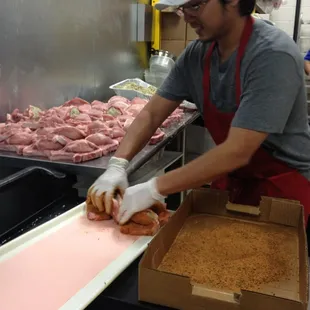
column 264, row 175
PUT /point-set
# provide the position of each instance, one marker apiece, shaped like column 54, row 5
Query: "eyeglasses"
column 192, row 8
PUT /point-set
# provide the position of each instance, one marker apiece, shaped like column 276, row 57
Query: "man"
column 246, row 78
column 307, row 63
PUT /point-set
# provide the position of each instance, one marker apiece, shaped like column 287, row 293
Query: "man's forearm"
column 144, row 126
column 139, row 133
column 206, row 168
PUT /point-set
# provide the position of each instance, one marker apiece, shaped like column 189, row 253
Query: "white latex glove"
column 115, row 177
column 138, row 198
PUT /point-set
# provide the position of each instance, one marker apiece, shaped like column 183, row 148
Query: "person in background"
column 253, row 106
column 307, row 63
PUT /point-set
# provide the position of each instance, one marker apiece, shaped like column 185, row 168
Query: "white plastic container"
column 161, row 64
column 155, row 78
column 130, row 94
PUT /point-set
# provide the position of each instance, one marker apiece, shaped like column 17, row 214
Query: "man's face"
column 209, row 19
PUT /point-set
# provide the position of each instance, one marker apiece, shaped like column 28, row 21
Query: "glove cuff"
column 118, row 162
column 154, row 192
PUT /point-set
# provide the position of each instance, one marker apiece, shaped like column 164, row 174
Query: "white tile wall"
column 284, row 16
column 284, row 19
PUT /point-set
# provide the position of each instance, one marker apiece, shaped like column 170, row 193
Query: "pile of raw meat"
column 144, row 223
column 77, row 131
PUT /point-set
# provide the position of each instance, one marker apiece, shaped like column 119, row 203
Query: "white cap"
column 163, row 4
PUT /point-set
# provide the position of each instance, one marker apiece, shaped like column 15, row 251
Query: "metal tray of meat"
column 68, row 260
column 97, row 166
column 128, row 93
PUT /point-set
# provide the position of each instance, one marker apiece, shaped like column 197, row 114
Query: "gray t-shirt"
column 273, row 98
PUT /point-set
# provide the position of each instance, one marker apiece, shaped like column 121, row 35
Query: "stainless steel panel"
column 144, row 24
column 52, row 50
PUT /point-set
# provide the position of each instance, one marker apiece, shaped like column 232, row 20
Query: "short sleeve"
column 175, row 86
column 307, row 57
column 271, row 84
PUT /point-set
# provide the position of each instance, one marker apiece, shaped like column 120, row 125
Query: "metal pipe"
column 296, row 21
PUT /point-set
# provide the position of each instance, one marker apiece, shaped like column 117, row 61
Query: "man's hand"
column 138, row 198
column 115, row 178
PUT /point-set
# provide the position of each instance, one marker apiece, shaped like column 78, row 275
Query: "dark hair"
column 246, row 7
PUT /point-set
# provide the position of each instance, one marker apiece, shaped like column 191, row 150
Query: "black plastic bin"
column 27, row 193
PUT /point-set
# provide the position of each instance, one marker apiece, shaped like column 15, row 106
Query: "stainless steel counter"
column 95, row 167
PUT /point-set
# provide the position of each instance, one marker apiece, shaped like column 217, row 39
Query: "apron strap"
column 247, row 31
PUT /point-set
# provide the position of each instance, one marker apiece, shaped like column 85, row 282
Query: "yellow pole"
column 142, row 46
column 156, row 27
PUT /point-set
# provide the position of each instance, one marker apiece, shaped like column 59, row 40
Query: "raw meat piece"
column 126, row 121
column 145, row 218
column 50, row 142
column 138, row 100
column 31, row 150
column 75, row 117
column 99, row 139
column 61, row 139
column 5, row 135
column 93, row 214
column 157, row 137
column 82, row 119
column 33, row 125
column 134, row 229
column 117, row 133
column 80, row 146
column 15, row 117
column 85, row 108
column 105, row 143
column 101, row 106
column 11, row 129
column 108, row 148
column 134, row 109
column 118, row 105
column 175, row 117
column 51, row 121
column 95, row 114
column 144, row 223
column 96, row 126
column 114, row 111
column 33, row 112
column 113, row 124
column 20, row 138
column 44, row 131
column 75, row 102
column 70, row 132
column 118, row 98
column 61, row 111
column 74, row 157
column 107, row 117
column 163, row 218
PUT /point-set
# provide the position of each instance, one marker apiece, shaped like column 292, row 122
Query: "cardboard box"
column 179, row 292
column 190, row 33
column 175, row 47
column 173, row 27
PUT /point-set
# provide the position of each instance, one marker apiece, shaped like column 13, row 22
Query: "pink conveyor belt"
column 48, row 273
